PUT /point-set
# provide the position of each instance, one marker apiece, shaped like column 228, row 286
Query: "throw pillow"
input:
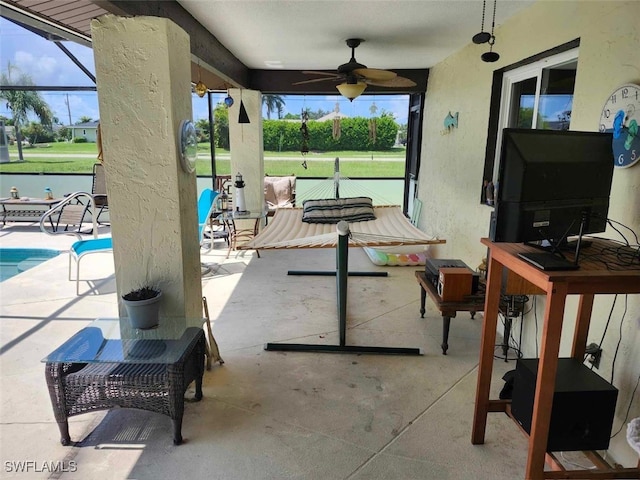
column 333, row 210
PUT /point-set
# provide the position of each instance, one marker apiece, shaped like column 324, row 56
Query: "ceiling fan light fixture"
column 351, row 90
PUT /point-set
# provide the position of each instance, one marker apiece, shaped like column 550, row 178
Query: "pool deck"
column 264, row 415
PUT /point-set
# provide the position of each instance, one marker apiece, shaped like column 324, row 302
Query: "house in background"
column 88, row 130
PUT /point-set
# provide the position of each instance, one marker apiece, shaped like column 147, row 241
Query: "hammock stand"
column 341, row 273
column 287, row 230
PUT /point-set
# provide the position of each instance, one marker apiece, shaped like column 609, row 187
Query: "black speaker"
column 583, row 405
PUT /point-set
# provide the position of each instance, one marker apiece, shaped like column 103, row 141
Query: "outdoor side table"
column 237, row 232
column 108, row 364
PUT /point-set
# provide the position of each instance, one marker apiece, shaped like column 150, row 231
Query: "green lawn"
column 80, row 157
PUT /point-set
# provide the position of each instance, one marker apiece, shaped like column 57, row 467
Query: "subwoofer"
column 583, row 405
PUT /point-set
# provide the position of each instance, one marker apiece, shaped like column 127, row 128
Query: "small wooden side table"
column 472, row 303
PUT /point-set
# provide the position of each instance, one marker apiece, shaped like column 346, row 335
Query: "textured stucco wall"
column 143, row 78
column 452, row 165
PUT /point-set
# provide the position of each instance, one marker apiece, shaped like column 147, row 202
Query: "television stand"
column 592, row 279
column 548, row 261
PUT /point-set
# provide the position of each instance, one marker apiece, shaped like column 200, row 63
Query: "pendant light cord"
column 493, row 22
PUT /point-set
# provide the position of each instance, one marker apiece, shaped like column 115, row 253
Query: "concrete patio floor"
column 264, row 415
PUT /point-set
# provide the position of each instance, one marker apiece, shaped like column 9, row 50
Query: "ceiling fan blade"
column 335, row 79
column 396, row 82
column 317, row 72
column 375, row 74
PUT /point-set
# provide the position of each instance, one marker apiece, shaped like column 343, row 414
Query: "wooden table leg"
column 446, row 323
column 583, row 320
column 546, row 380
column 485, row 368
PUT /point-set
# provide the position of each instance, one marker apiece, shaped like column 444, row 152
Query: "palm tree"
column 23, row 102
column 274, row 103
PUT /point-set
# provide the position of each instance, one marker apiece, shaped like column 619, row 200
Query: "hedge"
column 280, row 135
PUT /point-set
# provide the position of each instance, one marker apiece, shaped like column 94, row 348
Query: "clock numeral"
column 625, row 93
column 633, row 156
column 621, row 159
column 607, row 113
column 613, row 98
column 602, row 128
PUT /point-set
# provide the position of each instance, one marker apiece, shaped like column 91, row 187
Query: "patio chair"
column 99, row 190
column 206, row 214
column 82, row 247
column 279, row 192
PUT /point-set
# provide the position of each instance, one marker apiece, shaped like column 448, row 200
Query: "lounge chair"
column 82, row 247
column 206, row 213
column 99, row 190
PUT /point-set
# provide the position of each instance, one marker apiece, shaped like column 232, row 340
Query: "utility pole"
column 68, row 108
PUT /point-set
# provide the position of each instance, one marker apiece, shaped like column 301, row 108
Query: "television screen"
column 550, row 184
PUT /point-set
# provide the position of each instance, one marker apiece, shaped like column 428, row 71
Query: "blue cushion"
column 92, row 245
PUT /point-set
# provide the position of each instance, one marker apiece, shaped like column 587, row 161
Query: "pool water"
column 16, row 260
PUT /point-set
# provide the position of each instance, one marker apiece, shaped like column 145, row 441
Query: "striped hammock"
column 390, row 228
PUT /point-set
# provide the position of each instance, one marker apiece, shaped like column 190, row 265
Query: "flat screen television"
column 552, row 184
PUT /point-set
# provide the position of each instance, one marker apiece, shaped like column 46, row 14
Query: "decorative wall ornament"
column 200, row 88
column 450, row 122
column 304, row 131
column 373, row 123
column 242, row 116
column 337, row 130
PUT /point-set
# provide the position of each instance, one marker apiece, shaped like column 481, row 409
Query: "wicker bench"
column 78, row 387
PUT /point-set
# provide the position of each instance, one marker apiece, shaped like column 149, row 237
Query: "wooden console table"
column 472, row 303
column 598, row 274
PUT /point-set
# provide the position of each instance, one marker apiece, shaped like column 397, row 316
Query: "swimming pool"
column 16, row 260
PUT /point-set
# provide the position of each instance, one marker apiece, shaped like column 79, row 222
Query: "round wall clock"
column 620, row 116
column 188, row 145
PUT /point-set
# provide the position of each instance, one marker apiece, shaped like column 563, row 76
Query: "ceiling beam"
column 46, row 28
column 204, row 45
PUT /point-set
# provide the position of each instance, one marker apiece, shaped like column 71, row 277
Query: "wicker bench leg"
column 65, row 438
column 177, row 430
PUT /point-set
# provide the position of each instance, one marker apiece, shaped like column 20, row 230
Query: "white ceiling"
column 311, row 34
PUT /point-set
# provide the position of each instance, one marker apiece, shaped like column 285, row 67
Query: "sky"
column 48, row 65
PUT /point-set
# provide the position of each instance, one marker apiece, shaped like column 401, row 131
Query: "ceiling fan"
column 355, row 76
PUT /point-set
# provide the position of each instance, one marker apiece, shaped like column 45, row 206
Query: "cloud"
column 42, row 69
column 84, row 104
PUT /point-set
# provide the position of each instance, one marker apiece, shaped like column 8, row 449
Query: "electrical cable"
column 615, row 355
column 604, row 333
column 626, row 416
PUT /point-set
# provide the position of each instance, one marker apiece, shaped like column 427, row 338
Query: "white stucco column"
column 247, row 150
column 143, row 79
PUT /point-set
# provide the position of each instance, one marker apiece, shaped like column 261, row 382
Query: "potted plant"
column 143, row 306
